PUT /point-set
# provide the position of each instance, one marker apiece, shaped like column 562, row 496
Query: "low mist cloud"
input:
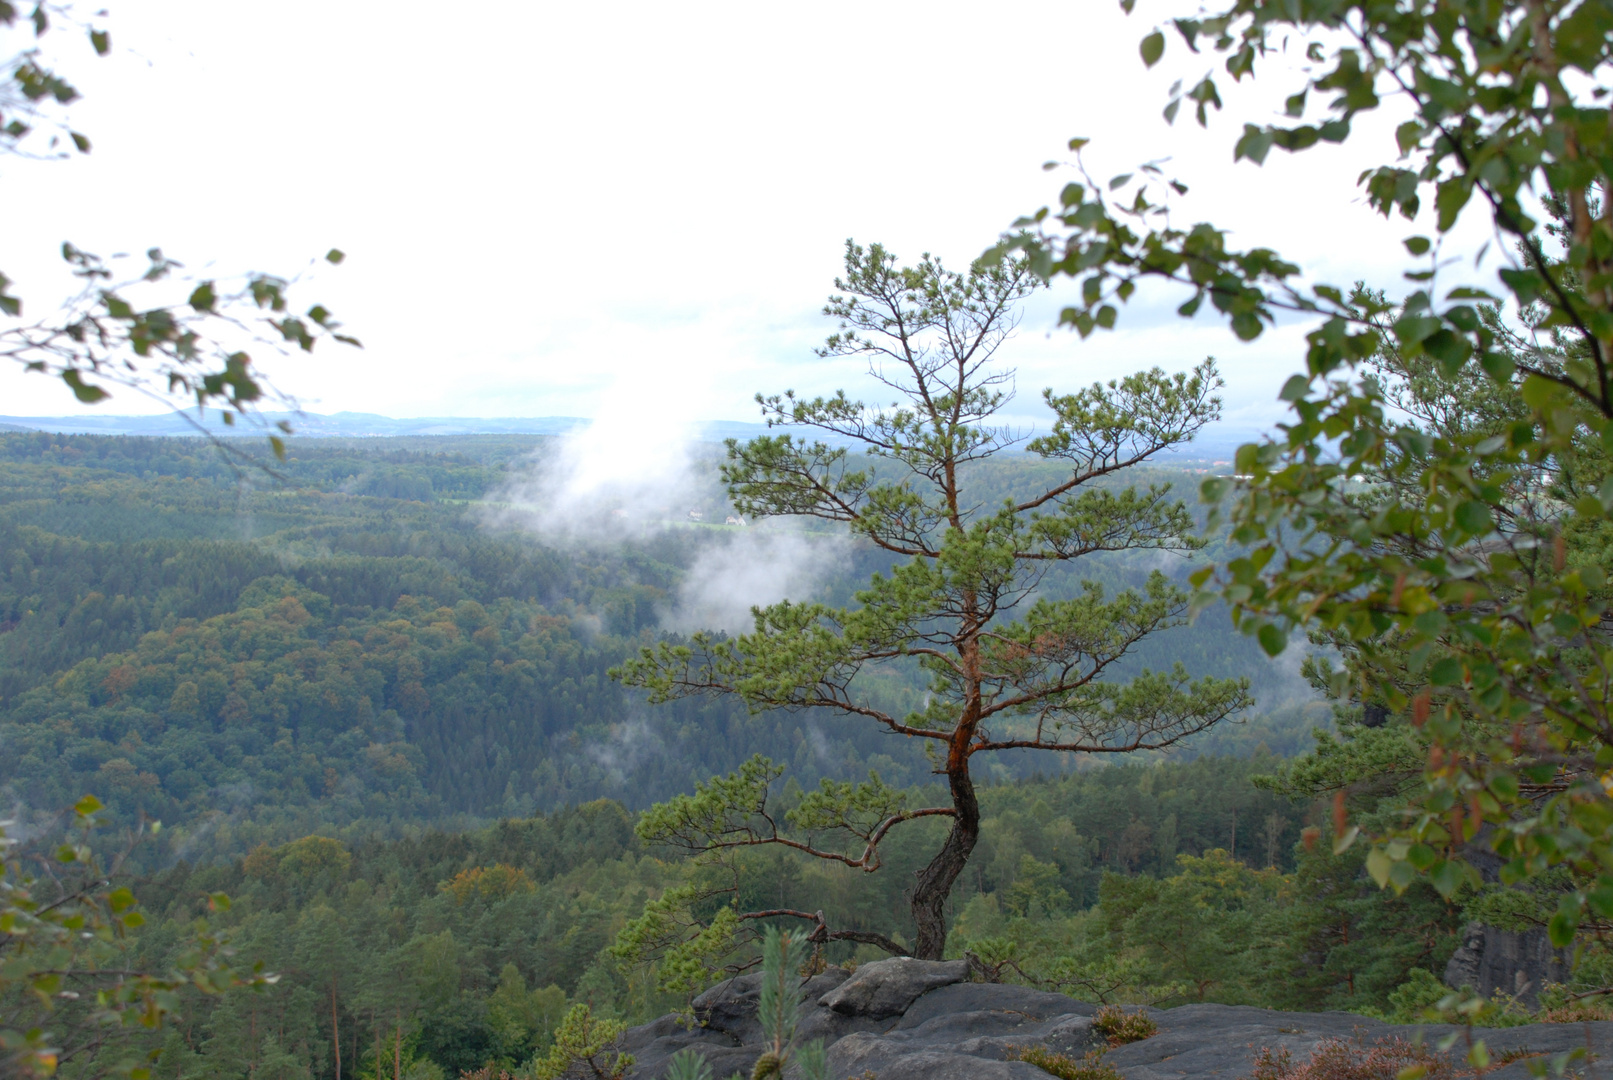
column 627, row 472
column 761, row 565
column 629, row 745
column 636, row 471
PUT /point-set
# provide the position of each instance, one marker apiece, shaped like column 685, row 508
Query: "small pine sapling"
column 779, row 1012
column 688, row 1064
column 779, row 1009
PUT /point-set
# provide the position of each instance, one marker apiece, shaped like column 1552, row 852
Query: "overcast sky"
column 560, row 209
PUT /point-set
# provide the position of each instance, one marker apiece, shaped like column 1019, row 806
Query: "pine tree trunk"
column 335, row 1027
column 935, row 880
column 397, row 1046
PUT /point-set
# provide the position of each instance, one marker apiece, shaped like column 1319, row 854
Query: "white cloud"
column 633, row 472
column 627, row 472
column 762, row 565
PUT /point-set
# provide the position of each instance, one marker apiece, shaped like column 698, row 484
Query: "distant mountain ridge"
column 335, row 425
column 1217, row 442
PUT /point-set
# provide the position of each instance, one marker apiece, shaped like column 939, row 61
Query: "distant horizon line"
column 348, row 423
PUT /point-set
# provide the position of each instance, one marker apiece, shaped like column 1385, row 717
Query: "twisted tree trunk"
column 935, row 880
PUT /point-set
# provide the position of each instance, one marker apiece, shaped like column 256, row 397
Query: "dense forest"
column 466, row 948
column 358, row 642
column 374, row 712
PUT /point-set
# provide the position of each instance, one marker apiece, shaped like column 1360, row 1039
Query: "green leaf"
column 335, row 256
column 101, row 41
column 1246, row 325
column 1408, row 135
column 1447, row 876
column 1447, row 671
column 1378, row 866
column 1295, row 388
column 1421, row 856
column 1561, row 929
column 85, row 392
column 1254, row 145
column 1449, row 200
column 1152, row 48
column 1451, row 350
column 1412, row 329
column 1474, row 518
column 1272, row 639
column 1418, row 245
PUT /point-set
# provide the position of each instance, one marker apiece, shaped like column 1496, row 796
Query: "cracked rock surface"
column 904, row 1019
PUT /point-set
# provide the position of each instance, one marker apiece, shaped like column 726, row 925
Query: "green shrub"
column 1338, row 1059
column 1065, row 1067
column 1121, row 1027
column 1417, row 997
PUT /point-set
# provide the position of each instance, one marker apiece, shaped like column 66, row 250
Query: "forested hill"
column 352, row 646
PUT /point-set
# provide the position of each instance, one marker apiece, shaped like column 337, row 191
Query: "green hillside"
column 354, row 645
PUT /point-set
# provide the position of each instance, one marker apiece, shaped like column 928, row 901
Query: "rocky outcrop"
column 914, row 1020
column 887, row 987
column 1515, row 962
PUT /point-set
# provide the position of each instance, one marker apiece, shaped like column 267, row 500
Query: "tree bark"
column 935, row 880
column 335, row 1027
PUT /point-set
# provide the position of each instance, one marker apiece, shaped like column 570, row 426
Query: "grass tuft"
column 1121, row 1027
column 1065, row 1067
column 1338, row 1059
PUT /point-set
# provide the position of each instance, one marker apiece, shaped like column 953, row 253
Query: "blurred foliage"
column 155, row 330
column 74, row 994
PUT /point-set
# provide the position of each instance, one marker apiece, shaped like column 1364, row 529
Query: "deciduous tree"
column 69, row 990
column 1461, row 568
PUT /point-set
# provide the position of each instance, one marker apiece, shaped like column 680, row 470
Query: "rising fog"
column 634, row 473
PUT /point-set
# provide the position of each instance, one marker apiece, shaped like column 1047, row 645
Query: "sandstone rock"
column 1515, row 962
column 726, row 1030
column 653, row 1044
column 963, row 1031
column 992, row 997
column 887, row 987
column 730, row 1006
column 925, row 1065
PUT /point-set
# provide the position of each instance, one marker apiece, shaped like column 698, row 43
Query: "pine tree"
column 1006, row 671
